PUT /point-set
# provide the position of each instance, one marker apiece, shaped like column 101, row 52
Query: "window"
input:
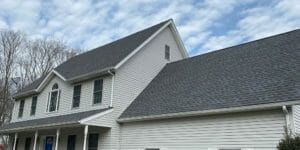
column 98, row 85
column 33, row 105
column 93, row 141
column 27, row 143
column 167, row 52
column 53, row 101
column 71, row 142
column 21, row 108
column 76, row 96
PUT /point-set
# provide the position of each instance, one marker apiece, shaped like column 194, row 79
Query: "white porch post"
column 86, row 130
column 36, row 134
column 15, row 141
column 57, row 139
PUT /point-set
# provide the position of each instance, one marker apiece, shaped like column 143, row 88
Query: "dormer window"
column 53, row 98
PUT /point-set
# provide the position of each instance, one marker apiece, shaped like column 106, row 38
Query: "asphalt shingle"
column 259, row 72
column 63, row 119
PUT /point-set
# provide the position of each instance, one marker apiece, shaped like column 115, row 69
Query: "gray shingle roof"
column 106, row 56
column 259, row 72
column 63, row 119
column 100, row 59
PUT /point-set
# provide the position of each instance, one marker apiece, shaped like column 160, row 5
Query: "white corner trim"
column 142, row 45
column 211, row 112
column 83, row 121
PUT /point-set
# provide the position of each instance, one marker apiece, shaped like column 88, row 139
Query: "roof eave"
column 94, row 74
column 46, row 126
column 25, row 94
column 210, row 112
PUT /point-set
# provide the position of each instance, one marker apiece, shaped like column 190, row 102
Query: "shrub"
column 289, row 142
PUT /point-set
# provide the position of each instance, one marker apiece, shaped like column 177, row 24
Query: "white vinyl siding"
column 66, row 98
column 296, row 118
column 253, row 130
column 137, row 73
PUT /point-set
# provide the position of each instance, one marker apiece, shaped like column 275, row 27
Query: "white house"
column 143, row 92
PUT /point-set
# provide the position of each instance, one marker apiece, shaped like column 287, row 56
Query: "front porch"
column 77, row 131
column 79, row 137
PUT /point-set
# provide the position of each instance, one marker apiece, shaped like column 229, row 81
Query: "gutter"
column 287, row 119
column 209, row 112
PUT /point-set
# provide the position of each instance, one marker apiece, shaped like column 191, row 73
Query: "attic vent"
column 167, row 52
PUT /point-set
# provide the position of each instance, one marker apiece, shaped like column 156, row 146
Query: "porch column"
column 36, row 134
column 86, row 130
column 57, row 139
column 15, row 141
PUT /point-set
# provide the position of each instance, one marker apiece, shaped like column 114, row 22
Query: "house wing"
column 99, row 61
column 265, row 71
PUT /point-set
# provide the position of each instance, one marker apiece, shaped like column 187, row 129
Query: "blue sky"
column 204, row 25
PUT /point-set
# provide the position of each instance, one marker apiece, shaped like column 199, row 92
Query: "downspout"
column 112, row 88
column 287, row 119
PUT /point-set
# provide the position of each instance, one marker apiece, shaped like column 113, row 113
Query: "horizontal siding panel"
column 244, row 130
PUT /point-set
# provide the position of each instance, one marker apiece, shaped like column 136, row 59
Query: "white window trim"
column 97, row 104
column 57, row 100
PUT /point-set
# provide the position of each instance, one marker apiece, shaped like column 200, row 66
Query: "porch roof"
column 68, row 119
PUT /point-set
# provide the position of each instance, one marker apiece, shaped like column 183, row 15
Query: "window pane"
column 53, row 101
column 98, row 86
column 97, row 97
column 71, row 142
column 27, row 143
column 33, row 105
column 55, row 86
column 93, row 142
column 76, row 95
column 21, row 108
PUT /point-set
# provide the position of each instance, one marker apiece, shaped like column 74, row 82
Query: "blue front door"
column 49, row 142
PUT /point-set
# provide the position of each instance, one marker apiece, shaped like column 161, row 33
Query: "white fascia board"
column 211, row 112
column 142, row 45
column 47, row 79
column 39, row 127
column 178, row 40
column 83, row 121
column 59, row 75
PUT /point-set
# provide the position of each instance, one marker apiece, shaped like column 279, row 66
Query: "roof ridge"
column 234, row 46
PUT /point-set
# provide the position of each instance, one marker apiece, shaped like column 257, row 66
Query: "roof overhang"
column 210, row 112
column 58, row 124
column 98, row 73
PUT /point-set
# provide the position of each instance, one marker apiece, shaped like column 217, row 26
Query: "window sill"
column 75, row 108
column 97, row 104
column 52, row 112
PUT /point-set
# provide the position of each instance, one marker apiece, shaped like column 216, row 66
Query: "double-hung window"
column 98, row 86
column 53, row 99
column 33, row 105
column 21, row 108
column 76, row 96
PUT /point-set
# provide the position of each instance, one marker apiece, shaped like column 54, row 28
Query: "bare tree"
column 41, row 56
column 22, row 61
column 10, row 44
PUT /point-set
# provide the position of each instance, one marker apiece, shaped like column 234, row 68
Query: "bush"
column 289, row 142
